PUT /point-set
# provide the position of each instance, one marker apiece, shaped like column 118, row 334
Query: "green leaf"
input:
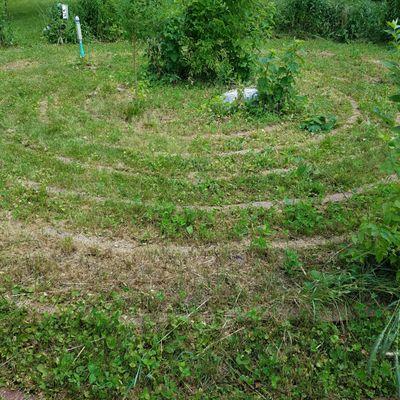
column 395, row 98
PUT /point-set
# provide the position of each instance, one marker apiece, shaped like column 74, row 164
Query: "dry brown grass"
column 18, row 65
column 57, row 263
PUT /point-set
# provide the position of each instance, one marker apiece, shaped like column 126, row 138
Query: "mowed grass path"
column 65, row 128
column 75, row 170
column 209, row 229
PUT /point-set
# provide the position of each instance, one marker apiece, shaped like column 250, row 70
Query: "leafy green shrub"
column 58, row 30
column 101, row 18
column 393, row 9
column 6, row 35
column 141, row 19
column 336, row 19
column 276, row 81
column 378, row 242
column 209, row 40
column 276, row 86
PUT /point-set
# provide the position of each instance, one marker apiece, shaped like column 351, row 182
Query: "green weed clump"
column 339, row 20
column 319, row 123
column 6, row 36
column 210, row 40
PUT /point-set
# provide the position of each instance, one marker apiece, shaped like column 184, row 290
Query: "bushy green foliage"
column 6, row 34
column 58, row 30
column 378, row 242
column 101, row 18
column 276, row 80
column 336, row 19
column 276, row 86
column 142, row 18
column 210, row 40
column 393, row 9
column 109, row 20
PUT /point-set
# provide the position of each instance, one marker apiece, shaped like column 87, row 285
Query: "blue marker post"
column 79, row 36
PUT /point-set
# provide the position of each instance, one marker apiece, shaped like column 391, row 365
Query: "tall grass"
column 340, row 20
column 387, row 344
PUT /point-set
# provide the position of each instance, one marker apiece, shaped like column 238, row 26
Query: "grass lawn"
column 173, row 254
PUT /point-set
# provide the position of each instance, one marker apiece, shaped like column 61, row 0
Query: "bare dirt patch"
column 325, row 54
column 33, row 258
column 121, row 169
column 7, row 394
column 43, row 111
column 373, row 61
column 18, row 65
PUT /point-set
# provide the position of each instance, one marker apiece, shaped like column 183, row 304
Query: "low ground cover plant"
column 319, row 123
column 86, row 350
